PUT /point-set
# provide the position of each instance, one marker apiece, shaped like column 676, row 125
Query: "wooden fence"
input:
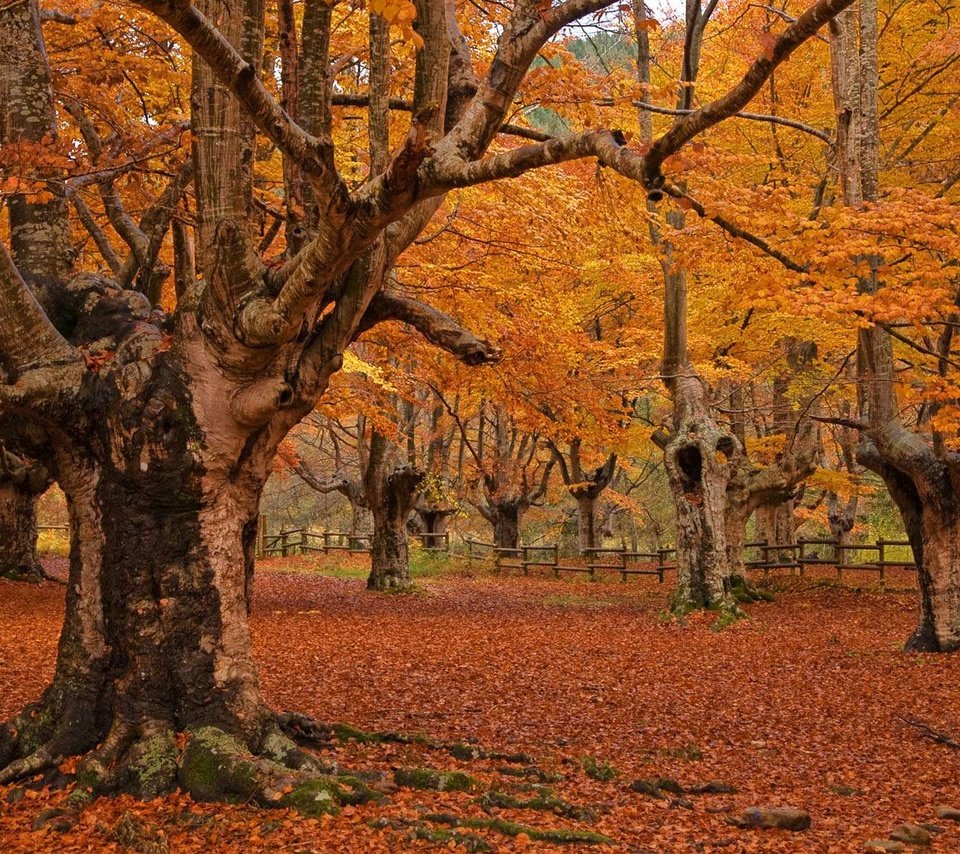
column 301, row 541
column 759, row 555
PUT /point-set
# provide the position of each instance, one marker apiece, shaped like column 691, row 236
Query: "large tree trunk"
column 698, row 458
column 506, row 525
column 390, row 559
column 390, row 495
column 18, row 532
column 361, row 519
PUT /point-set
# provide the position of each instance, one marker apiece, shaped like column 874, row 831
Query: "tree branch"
column 690, row 126
column 312, row 154
column 438, row 328
column 28, row 340
column 756, row 117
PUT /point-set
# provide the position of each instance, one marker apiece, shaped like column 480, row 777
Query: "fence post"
column 469, row 543
column 661, row 563
column 556, row 560
column 802, row 543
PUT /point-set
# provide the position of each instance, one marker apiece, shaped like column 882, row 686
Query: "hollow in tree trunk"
column 698, row 458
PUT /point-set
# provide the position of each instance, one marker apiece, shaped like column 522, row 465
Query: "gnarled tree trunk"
column 20, row 487
column 506, row 524
column 698, row 457
column 391, row 494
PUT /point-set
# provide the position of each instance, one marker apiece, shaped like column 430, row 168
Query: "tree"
column 586, row 487
column 22, row 482
column 165, row 434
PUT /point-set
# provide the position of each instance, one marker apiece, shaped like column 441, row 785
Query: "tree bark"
column 506, row 525
column 390, row 495
column 587, row 521
column 18, row 533
column 390, row 558
column 697, row 464
column 776, row 523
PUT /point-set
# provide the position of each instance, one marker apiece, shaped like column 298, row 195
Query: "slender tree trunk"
column 776, row 523
column 736, row 536
column 841, row 518
column 587, row 521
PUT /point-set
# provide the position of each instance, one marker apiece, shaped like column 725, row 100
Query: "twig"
column 929, row 732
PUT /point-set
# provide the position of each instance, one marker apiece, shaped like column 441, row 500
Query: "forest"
column 479, row 425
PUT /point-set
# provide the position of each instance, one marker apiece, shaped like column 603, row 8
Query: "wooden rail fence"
column 300, row 541
column 759, row 555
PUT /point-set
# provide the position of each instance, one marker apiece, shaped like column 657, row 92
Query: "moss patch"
column 154, row 765
column 513, row 829
column 438, row 781
column 314, row 797
column 545, row 801
column 597, row 770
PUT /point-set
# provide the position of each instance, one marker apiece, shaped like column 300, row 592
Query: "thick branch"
column 28, row 340
column 437, row 327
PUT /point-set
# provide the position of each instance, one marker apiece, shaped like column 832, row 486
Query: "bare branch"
column 756, row 117
column 437, row 327
column 928, row 731
column 404, row 106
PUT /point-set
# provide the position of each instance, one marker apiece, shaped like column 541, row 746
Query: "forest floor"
column 798, row 706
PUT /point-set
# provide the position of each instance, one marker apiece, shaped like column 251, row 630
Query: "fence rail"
column 758, row 555
column 293, row 541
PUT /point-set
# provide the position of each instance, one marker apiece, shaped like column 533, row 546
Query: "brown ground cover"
column 797, row 706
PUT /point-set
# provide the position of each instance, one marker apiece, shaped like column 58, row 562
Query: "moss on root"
column 153, row 765
column 513, row 829
column 314, row 797
column 544, row 801
column 214, row 766
column 600, row 771
column 439, row 836
column 438, row 781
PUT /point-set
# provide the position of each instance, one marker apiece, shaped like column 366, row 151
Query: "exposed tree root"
column 512, row 829
column 743, row 592
column 30, row 574
column 544, row 800
column 210, row 764
column 309, row 731
column 60, row 724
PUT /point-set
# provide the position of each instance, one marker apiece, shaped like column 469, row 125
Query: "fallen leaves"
column 793, row 707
